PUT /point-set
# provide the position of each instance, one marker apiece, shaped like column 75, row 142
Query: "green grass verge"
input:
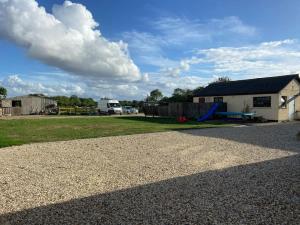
column 24, row 131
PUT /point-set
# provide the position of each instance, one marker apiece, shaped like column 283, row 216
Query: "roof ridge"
column 264, row 85
column 259, row 78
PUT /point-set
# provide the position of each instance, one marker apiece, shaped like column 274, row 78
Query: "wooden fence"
column 10, row 111
column 17, row 111
column 188, row 109
column 77, row 111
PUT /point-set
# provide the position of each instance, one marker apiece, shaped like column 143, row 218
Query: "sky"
column 124, row 49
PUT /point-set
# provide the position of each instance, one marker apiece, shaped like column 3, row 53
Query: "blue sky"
column 124, row 49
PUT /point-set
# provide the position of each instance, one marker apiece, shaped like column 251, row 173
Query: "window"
column 201, row 100
column 283, row 102
column 218, row 99
column 16, row 103
column 264, row 101
column 113, row 105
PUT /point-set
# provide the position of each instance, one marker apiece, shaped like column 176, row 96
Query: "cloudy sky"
column 124, row 49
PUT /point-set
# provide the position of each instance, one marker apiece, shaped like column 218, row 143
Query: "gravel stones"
column 244, row 175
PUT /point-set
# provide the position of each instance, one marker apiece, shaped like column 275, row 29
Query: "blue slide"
column 209, row 113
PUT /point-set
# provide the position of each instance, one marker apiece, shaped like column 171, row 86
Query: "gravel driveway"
column 242, row 175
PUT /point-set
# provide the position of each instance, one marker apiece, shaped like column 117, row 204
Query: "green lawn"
column 23, row 131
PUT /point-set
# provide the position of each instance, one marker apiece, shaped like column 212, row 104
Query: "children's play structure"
column 228, row 115
column 209, row 113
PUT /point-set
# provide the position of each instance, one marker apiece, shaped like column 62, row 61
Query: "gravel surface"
column 241, row 175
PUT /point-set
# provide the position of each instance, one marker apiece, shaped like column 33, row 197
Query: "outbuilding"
column 273, row 98
column 27, row 105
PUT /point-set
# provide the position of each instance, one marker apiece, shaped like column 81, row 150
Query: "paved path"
column 243, row 175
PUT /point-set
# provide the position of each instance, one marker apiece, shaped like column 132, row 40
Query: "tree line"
column 179, row 95
column 64, row 101
column 155, row 96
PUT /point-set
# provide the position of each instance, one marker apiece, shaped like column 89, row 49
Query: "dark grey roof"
column 27, row 96
column 267, row 85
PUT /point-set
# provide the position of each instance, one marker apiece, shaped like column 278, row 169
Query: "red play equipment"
column 182, row 119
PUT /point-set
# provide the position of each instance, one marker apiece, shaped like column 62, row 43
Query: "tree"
column 179, row 95
column 88, row 102
column 155, row 95
column 3, row 92
column 182, row 95
column 165, row 100
column 62, row 100
column 65, row 101
column 197, row 89
column 179, row 92
column 221, row 80
column 75, row 101
column 126, row 103
column 85, row 102
column 37, row 95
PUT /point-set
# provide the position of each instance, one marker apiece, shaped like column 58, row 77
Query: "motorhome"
column 109, row 106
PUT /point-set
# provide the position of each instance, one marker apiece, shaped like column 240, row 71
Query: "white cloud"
column 23, row 85
column 264, row 59
column 184, row 66
column 17, row 86
column 179, row 35
column 178, row 30
column 68, row 39
column 146, row 77
column 231, row 24
column 148, row 48
column 168, row 84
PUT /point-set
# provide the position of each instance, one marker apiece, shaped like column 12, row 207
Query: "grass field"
column 23, row 131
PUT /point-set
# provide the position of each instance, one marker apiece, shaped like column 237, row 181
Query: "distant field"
column 23, row 131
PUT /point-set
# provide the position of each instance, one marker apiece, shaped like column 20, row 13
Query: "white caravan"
column 109, row 106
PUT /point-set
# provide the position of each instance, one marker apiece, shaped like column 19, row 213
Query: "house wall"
column 237, row 103
column 5, row 103
column 292, row 89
